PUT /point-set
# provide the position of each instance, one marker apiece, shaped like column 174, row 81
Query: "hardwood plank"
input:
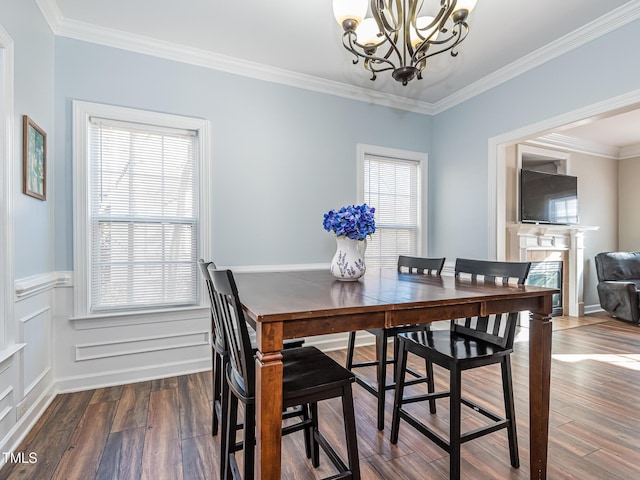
column 107, row 394
column 82, row 457
column 51, row 441
column 200, row 457
column 195, row 408
column 162, row 457
column 122, row 456
column 133, row 407
column 164, row 383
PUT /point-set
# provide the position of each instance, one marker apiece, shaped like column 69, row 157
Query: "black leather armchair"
column 619, row 284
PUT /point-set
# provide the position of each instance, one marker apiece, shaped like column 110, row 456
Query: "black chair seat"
column 449, row 347
column 301, row 381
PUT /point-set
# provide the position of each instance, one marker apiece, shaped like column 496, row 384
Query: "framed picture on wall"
column 34, row 160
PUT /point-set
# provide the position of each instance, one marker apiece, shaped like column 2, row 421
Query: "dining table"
column 304, row 303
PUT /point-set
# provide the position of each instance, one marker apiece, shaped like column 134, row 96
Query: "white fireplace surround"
column 525, row 237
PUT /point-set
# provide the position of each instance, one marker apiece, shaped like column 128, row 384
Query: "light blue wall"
column 33, row 96
column 282, row 156
column 602, row 69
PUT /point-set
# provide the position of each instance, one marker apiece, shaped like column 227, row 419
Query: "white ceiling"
column 300, row 39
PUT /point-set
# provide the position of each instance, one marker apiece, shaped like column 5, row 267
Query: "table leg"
column 539, row 389
column 268, row 401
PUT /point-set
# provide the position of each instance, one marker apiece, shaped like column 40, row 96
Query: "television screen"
column 548, row 198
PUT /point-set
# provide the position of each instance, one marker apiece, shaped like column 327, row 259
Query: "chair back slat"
column 217, row 340
column 497, row 329
column 236, row 331
column 420, row 265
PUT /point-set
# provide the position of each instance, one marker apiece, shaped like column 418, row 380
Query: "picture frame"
column 34, row 160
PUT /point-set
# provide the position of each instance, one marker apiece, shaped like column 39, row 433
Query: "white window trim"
column 82, row 111
column 421, row 158
column 7, row 235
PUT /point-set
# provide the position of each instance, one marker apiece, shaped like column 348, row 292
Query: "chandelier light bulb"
column 462, row 9
column 368, row 33
column 349, row 13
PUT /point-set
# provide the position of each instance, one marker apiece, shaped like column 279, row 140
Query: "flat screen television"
column 548, row 198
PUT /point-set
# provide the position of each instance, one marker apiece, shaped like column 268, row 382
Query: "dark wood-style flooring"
column 161, row 429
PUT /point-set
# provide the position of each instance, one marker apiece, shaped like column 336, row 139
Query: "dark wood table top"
column 295, row 295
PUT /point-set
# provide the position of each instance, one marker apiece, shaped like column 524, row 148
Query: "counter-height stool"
column 220, row 358
column 309, row 376
column 470, row 343
column 406, row 264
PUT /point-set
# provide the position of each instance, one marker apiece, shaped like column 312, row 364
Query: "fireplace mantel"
column 525, row 237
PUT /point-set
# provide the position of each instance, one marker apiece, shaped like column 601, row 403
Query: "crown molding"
column 595, row 29
column 180, row 53
column 51, row 14
column 565, row 142
column 203, row 58
column 631, row 151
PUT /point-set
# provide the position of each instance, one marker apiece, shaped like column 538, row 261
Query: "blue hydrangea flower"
column 354, row 221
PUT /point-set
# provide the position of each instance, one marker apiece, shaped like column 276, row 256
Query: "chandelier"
column 398, row 37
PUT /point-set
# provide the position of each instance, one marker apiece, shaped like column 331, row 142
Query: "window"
column 390, row 181
column 139, row 225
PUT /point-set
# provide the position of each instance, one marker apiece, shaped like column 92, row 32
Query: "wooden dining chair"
column 469, row 343
column 309, row 376
column 406, row 264
column 220, row 358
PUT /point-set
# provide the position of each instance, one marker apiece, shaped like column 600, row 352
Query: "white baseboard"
column 592, row 309
column 132, row 375
column 23, row 426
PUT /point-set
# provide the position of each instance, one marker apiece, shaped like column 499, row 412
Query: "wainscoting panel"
column 26, row 375
column 7, row 397
column 134, row 346
column 35, row 331
column 116, row 349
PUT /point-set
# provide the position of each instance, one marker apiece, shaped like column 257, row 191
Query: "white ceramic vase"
column 348, row 262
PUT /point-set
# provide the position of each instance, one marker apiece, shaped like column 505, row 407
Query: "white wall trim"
column 6, row 393
column 8, row 353
column 134, row 346
column 276, row 268
column 29, row 286
column 7, row 161
column 593, row 309
column 579, row 145
column 496, row 160
column 130, row 375
column 601, row 26
column 158, row 48
column 36, row 381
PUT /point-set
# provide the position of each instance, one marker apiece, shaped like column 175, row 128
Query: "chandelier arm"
column 381, row 10
column 348, row 42
column 440, row 20
column 460, row 34
column 389, row 31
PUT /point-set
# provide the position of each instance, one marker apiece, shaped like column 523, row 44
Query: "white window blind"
column 143, row 195
column 392, row 187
